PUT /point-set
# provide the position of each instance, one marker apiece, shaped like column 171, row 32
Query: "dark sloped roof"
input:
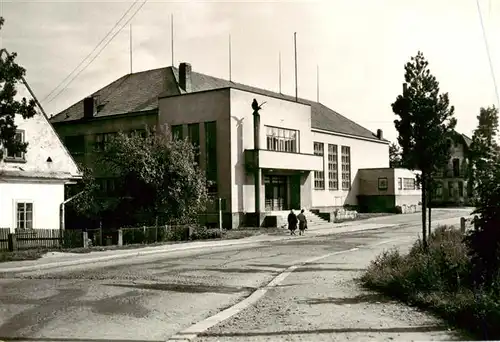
column 140, row 91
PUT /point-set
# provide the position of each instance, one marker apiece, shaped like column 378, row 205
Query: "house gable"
column 46, row 156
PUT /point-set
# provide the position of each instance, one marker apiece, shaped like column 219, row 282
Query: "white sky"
column 361, row 47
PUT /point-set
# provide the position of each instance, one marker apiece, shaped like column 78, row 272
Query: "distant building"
column 309, row 155
column 32, row 183
column 452, row 188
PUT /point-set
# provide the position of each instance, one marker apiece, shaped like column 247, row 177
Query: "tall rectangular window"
column 194, row 138
column 211, row 154
column 456, row 167
column 461, row 189
column 319, row 176
column 346, row 167
column 177, row 133
column 333, row 167
column 282, row 139
column 19, row 136
column 24, row 215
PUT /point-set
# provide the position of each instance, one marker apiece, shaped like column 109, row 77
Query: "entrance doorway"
column 276, row 192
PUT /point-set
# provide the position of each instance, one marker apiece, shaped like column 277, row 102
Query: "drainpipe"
column 61, row 212
column 258, row 171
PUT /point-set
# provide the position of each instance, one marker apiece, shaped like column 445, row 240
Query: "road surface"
column 167, row 297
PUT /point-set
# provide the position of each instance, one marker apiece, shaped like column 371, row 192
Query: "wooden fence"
column 74, row 238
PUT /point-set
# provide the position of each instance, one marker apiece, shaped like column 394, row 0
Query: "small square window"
column 18, row 156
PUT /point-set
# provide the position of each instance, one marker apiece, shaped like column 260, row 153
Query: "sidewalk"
column 57, row 259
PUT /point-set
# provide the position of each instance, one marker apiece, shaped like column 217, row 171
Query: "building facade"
column 306, row 156
column 451, row 187
column 32, row 183
column 383, row 189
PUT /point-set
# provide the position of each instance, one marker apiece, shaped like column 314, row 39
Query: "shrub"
column 439, row 280
column 204, row 233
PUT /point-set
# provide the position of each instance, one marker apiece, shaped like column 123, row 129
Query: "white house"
column 32, row 183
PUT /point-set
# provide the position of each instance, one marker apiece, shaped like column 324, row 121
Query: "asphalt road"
column 153, row 298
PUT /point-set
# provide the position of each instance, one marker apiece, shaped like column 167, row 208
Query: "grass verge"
column 210, row 235
column 438, row 281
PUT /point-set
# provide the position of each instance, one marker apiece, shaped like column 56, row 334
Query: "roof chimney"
column 89, row 107
column 185, row 76
column 380, row 134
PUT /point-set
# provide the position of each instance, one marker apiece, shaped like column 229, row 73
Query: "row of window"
column 453, row 190
column 333, row 175
column 407, row 184
column 76, row 143
column 193, row 135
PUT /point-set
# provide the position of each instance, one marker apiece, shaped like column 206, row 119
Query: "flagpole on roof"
column 279, row 62
column 131, row 48
column 172, row 36
column 317, row 83
column 295, row 48
column 230, row 57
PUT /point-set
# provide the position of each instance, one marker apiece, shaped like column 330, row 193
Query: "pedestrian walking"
column 302, row 222
column 292, row 222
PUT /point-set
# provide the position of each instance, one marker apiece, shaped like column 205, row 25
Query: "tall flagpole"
column 229, row 57
column 279, row 61
column 295, row 47
column 130, row 48
column 317, row 83
column 172, row 35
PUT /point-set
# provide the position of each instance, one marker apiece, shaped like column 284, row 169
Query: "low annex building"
column 290, row 154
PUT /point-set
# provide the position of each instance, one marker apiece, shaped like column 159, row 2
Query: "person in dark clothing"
column 292, row 222
column 302, row 222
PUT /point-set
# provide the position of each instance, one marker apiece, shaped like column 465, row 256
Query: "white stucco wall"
column 34, row 179
column 276, row 112
column 43, row 143
column 364, row 154
column 46, row 198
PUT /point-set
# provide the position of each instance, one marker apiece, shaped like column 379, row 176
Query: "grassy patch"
column 198, row 235
column 438, row 281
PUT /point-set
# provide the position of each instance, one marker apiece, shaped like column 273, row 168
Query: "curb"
column 178, row 249
column 117, row 256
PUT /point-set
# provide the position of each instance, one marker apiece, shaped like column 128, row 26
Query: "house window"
column 282, row 139
column 400, row 183
column 346, row 167
column 461, row 189
column 102, row 140
column 75, row 144
column 456, row 167
column 319, row 176
column 438, row 191
column 409, row 184
column 137, row 133
column 107, row 186
column 333, row 167
column 194, row 138
column 24, row 215
column 211, row 155
column 451, row 191
column 177, row 132
column 17, row 156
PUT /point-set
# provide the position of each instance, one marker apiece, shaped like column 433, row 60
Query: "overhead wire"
column 102, row 48
column 492, row 71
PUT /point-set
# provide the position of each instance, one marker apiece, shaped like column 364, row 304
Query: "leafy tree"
column 484, row 241
column 156, row 177
column 425, row 119
column 394, row 155
column 484, row 148
column 10, row 76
